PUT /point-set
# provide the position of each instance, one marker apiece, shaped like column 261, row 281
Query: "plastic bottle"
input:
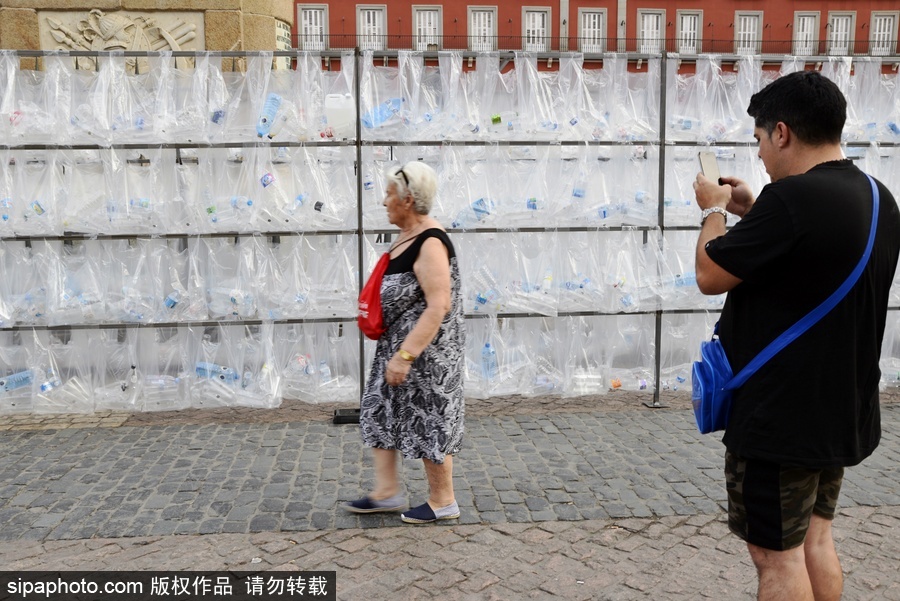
column 280, row 121
column 324, row 372
column 504, row 121
column 340, row 115
column 247, row 380
column 159, row 388
column 472, row 214
column 489, row 367
column 382, row 112
column 17, row 380
column 579, row 190
column 172, row 299
column 267, row 117
column 51, row 382
column 216, row 372
column 547, row 282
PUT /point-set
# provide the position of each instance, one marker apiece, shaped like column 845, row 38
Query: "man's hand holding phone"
column 713, row 190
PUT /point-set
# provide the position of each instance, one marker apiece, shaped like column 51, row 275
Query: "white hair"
column 422, row 184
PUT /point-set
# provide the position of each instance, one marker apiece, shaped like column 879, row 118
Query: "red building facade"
column 728, row 27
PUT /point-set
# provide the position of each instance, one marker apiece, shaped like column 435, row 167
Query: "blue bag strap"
column 816, row 314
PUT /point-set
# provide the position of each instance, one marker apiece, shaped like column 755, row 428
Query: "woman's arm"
column 432, row 269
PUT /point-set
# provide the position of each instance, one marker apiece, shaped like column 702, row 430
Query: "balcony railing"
column 593, row 45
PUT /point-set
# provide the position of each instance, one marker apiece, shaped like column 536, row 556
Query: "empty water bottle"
column 17, row 380
column 215, row 371
column 172, row 299
column 473, row 213
column 51, row 382
column 267, row 117
column 159, row 388
column 324, row 372
column 489, row 367
column 382, row 112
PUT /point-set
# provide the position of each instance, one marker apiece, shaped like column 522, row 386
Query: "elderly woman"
column 413, row 400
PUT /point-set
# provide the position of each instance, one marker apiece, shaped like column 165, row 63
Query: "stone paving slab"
column 674, row 558
column 590, row 502
column 240, row 478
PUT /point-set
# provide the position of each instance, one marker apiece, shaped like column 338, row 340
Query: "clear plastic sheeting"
column 196, row 99
column 414, row 101
column 568, row 356
column 680, row 340
column 318, row 363
column 710, row 105
column 207, row 264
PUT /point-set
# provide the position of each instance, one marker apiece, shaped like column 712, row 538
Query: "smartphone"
column 709, row 166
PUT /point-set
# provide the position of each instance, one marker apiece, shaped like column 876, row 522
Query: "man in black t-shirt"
column 813, row 408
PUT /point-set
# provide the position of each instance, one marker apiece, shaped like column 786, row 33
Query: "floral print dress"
column 422, row 417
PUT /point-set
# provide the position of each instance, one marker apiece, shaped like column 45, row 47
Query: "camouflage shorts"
column 769, row 505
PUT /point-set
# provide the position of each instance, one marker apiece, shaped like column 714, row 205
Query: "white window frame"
column 883, row 41
column 310, row 40
column 806, row 42
column 536, row 42
column 371, row 36
column 422, row 40
column 649, row 44
column 746, row 41
column 486, row 39
column 688, row 44
column 842, row 46
column 593, row 40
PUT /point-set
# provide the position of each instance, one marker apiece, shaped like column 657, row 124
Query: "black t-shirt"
column 815, row 404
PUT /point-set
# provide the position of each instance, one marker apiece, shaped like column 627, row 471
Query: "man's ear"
column 782, row 134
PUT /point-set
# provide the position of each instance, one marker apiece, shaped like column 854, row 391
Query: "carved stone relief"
column 121, row 30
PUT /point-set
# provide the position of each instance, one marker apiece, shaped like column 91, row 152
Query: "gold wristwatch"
column 406, row 356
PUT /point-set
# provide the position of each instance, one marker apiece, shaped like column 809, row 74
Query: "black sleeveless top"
column 405, row 260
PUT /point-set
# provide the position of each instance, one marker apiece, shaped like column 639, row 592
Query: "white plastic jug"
column 340, row 113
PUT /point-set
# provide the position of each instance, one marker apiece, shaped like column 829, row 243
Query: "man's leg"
column 771, row 508
column 822, row 561
column 782, row 574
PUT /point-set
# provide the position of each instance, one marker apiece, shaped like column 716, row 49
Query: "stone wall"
column 161, row 24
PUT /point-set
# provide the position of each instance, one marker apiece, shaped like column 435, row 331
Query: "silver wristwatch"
column 707, row 212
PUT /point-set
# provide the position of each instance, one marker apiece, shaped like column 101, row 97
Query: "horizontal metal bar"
column 150, row 236
column 180, row 145
column 178, row 324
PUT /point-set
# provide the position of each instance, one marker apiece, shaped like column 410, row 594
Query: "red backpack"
column 369, row 318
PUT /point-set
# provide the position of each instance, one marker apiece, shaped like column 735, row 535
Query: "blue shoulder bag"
column 712, row 378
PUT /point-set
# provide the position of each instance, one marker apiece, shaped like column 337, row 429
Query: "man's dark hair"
column 810, row 104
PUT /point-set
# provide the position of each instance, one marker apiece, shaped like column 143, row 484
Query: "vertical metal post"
column 661, row 215
column 351, row 416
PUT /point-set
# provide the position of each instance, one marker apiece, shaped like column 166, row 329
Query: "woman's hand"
column 397, row 370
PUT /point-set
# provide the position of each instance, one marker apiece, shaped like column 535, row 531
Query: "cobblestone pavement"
column 597, row 498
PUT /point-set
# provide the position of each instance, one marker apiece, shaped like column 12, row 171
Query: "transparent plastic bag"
column 234, row 366
column 38, row 193
column 18, row 380
column 77, row 286
column 319, row 363
column 115, row 368
column 229, row 271
column 163, row 369
column 63, row 372
column 283, row 283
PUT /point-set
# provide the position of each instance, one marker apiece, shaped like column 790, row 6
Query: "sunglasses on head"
column 405, row 177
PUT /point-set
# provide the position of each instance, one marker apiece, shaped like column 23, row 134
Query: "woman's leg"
column 386, row 483
column 440, row 482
